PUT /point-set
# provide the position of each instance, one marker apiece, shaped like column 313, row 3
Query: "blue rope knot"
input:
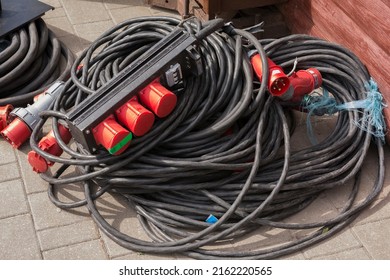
column 372, row 121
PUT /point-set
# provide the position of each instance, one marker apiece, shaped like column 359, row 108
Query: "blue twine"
column 372, row 105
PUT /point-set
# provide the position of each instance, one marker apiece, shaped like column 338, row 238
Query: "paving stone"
column 119, row 15
column 7, row 152
column 353, row 254
column 91, row 31
column 18, row 240
column 379, row 210
column 75, row 43
column 32, row 181
column 61, row 26
column 90, row 250
column 53, row 3
column 57, row 12
column 47, row 215
column 67, row 235
column 120, row 4
column 156, row 11
column 12, row 199
column 141, row 256
column 117, row 213
column 84, row 11
column 292, row 257
column 319, row 210
column 375, row 238
column 9, row 171
column 263, row 238
column 338, row 196
column 342, row 241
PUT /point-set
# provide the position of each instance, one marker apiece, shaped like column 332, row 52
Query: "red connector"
column 135, row 117
column 302, row 82
column 48, row 144
column 278, row 82
column 25, row 119
column 112, row 136
column 158, row 99
column 4, row 114
column 16, row 133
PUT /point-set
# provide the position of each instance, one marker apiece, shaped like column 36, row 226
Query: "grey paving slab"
column 90, row 250
column 91, row 31
column 120, row 4
column 375, row 238
column 157, row 11
column 61, row 26
column 32, row 181
column 117, row 213
column 73, row 235
column 262, row 239
column 67, row 235
column 55, row 13
column 377, row 211
column 294, row 257
column 319, row 210
column 141, row 256
column 7, row 154
column 338, row 243
column 13, row 200
column 9, row 171
column 119, row 15
column 18, row 240
column 47, row 215
column 85, row 11
column 353, row 254
column 53, row 3
column 75, row 44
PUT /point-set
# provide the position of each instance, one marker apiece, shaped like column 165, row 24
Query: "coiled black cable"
column 225, row 150
column 30, row 60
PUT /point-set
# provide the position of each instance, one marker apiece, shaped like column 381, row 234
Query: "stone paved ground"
column 33, row 228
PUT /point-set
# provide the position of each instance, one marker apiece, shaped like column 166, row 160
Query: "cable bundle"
column 30, row 60
column 224, row 151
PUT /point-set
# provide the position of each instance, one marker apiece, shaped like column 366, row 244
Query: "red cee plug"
column 158, row 99
column 48, row 144
column 302, row 82
column 25, row 119
column 278, row 82
column 135, row 117
column 112, row 136
column 4, row 113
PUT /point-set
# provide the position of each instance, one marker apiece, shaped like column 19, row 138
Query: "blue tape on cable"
column 211, row 219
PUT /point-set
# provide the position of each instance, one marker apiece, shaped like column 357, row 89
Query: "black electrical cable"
column 225, row 150
column 30, row 62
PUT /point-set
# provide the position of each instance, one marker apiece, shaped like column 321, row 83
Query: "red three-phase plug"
column 278, row 82
column 25, row 119
column 158, row 99
column 4, row 114
column 135, row 117
column 50, row 145
column 112, row 136
column 302, row 82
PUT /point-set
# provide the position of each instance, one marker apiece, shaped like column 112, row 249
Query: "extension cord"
column 187, row 167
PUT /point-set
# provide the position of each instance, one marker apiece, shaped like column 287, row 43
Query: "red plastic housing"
column 303, row 82
column 4, row 113
column 158, row 99
column 16, row 133
column 278, row 82
column 112, row 136
column 50, row 145
column 135, row 117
